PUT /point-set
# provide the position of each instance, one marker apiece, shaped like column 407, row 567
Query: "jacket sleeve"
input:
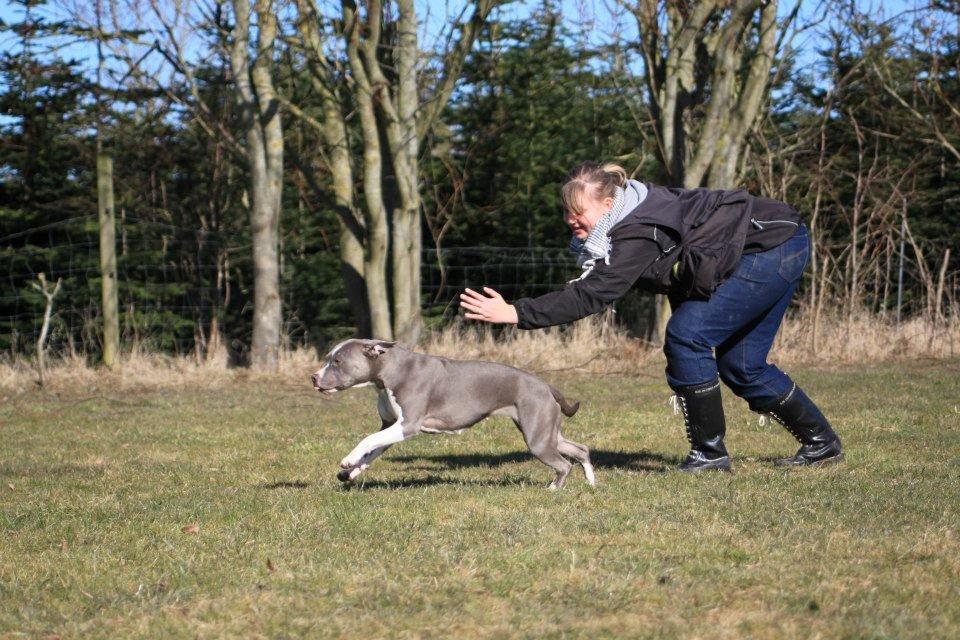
column 629, row 258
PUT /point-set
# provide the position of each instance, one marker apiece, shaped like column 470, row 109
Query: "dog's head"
column 350, row 363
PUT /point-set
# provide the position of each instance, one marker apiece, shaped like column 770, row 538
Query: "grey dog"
column 428, row 394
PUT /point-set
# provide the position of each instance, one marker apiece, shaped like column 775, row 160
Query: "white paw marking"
column 374, row 441
column 588, row 472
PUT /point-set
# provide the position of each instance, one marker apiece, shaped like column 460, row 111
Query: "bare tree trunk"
column 375, row 266
column 260, row 118
column 926, row 277
column 704, row 150
column 397, row 105
column 405, row 145
column 938, row 304
column 49, row 295
column 814, row 238
column 334, row 132
column 853, row 293
column 818, row 304
column 386, row 98
column 736, row 113
column 888, row 270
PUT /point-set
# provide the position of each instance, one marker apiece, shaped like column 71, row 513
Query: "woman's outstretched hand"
column 489, row 308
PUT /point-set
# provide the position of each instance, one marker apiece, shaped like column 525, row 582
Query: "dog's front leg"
column 346, row 475
column 398, row 432
column 349, row 475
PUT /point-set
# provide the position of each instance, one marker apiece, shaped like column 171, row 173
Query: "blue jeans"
column 739, row 321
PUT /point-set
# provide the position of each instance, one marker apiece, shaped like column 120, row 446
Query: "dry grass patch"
column 593, row 345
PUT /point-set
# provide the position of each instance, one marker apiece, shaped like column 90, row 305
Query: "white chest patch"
column 388, row 407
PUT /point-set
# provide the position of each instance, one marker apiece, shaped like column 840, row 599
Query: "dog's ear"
column 377, row 348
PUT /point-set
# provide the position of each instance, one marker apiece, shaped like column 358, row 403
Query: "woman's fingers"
column 479, row 306
column 465, row 299
column 488, row 308
column 471, row 307
column 470, row 304
column 474, row 294
column 491, row 294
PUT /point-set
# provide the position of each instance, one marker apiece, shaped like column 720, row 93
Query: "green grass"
column 456, row 537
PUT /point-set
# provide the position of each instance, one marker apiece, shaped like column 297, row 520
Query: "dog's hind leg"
column 581, row 454
column 541, row 431
column 551, row 456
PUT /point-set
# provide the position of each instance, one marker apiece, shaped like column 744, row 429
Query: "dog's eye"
column 336, row 361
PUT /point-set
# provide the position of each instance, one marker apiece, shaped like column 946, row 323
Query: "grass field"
column 215, row 512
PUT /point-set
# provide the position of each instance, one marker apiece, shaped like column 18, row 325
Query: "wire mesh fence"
column 169, row 280
column 177, row 285
column 512, row 271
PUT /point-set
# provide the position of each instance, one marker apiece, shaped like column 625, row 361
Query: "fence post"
column 108, row 259
column 662, row 312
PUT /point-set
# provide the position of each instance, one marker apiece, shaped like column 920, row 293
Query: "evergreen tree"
column 45, row 176
column 533, row 103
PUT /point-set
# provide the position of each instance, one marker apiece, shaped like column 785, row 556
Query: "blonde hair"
column 591, row 180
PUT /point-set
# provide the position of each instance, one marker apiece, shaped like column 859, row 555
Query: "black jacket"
column 649, row 250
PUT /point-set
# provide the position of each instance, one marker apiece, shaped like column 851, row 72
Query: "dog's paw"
column 349, row 474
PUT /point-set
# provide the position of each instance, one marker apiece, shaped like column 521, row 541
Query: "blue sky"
column 593, row 16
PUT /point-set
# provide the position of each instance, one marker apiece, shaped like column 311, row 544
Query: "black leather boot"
column 819, row 445
column 703, row 415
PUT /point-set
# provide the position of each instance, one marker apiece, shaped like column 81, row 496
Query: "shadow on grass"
column 429, row 481
column 772, row 460
column 767, row 459
column 625, row 460
column 291, row 484
column 642, row 461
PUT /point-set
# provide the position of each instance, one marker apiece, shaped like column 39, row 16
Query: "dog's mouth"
column 326, row 392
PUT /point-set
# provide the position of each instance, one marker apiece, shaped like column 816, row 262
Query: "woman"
column 729, row 263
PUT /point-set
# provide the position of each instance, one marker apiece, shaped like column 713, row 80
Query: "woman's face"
column 582, row 222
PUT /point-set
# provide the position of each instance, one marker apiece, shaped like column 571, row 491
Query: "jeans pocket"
column 794, row 255
column 758, row 267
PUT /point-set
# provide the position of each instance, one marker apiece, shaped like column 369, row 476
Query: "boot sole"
column 826, row 462
column 696, row 470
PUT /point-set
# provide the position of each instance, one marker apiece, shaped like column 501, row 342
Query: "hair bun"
column 619, row 173
column 593, row 181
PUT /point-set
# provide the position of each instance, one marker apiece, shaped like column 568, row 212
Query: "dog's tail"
column 567, row 409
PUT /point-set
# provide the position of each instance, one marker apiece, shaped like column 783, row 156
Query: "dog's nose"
column 315, row 378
